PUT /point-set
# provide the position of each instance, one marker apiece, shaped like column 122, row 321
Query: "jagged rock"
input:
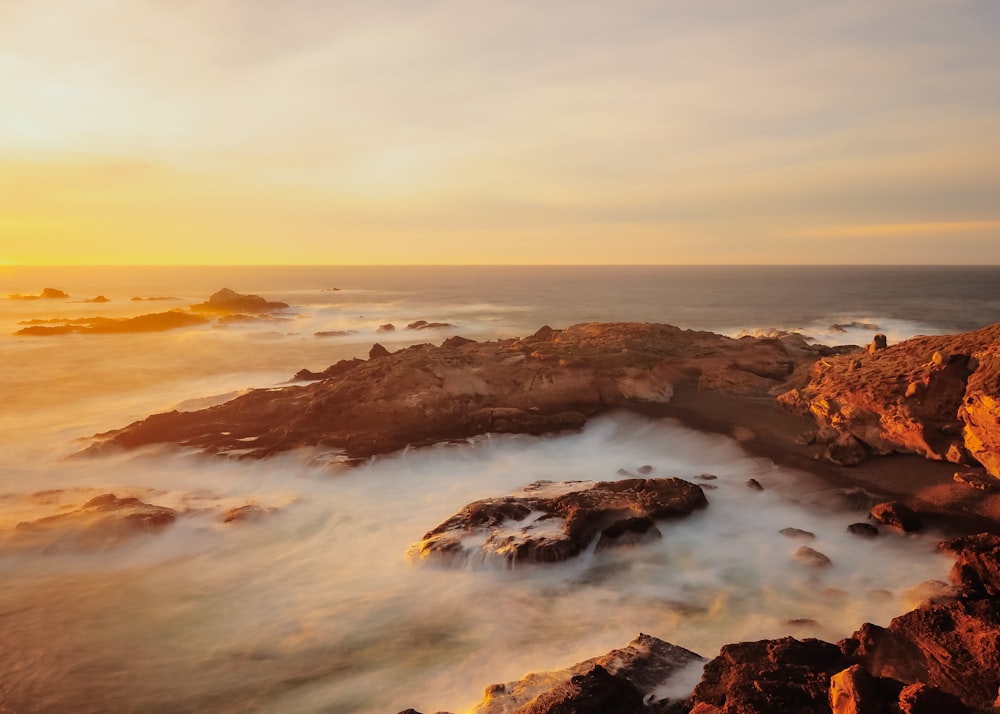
column 846, row 450
column 378, row 352
column 854, row 691
column 901, row 399
column 896, row 514
column 638, row 668
column 425, row 394
column 921, row 699
column 977, row 566
column 550, row 522
column 102, row 523
column 866, row 530
column 978, row 480
column 954, row 647
column 226, row 301
column 783, row 676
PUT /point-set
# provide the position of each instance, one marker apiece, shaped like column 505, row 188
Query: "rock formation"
column 102, row 523
column 549, row 522
column 935, row 396
column 623, row 680
column 226, row 302
column 550, row 381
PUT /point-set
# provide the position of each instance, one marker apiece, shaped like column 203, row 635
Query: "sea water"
column 316, row 608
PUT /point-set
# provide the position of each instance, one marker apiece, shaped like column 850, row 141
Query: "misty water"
column 316, row 607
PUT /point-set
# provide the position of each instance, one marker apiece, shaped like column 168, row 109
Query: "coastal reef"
column 550, row 381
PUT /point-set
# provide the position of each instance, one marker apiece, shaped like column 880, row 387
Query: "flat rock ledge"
column 550, row 381
column 549, row 522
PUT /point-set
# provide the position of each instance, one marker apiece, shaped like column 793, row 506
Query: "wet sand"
column 766, row 431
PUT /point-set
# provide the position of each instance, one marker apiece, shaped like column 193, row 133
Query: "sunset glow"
column 250, row 132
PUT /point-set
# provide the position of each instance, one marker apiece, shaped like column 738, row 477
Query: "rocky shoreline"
column 918, row 421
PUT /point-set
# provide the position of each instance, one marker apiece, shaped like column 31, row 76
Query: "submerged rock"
column 102, row 523
column 550, row 522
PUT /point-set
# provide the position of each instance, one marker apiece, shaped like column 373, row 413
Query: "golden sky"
column 499, row 131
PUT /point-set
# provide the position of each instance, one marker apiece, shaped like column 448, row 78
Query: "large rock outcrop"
column 628, row 679
column 550, row 381
column 550, row 522
column 935, row 396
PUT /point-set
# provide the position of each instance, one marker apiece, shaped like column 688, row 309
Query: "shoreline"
column 765, row 430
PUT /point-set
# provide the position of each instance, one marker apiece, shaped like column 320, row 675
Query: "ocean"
column 316, row 608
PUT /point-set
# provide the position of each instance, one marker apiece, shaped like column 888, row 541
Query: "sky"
column 499, row 131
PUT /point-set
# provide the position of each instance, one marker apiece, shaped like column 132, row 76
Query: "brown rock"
column 977, row 566
column 629, row 531
column 378, row 352
column 812, row 558
column 899, row 400
column 550, row 522
column 242, row 514
column 846, row 450
column 640, row 667
column 854, row 691
column 797, row 533
column 866, row 530
column 921, row 699
column 425, row 394
column 387, row 327
column 954, row 647
column 783, row 676
column 896, row 514
column 878, row 344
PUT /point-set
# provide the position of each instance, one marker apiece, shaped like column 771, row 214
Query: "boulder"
column 977, row 564
column 854, row 691
column 783, row 676
column 550, row 522
column 811, row 557
column 632, row 673
column 378, row 352
column 897, row 515
column 866, row 530
column 387, row 327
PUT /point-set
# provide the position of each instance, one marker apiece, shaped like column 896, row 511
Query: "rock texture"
column 550, row 522
column 550, row 381
column 623, row 680
column 935, row 396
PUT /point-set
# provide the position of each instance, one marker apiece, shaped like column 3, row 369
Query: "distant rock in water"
column 335, row 333
column 98, row 299
column 549, row 522
column 154, row 299
column 387, row 327
column 424, row 325
column 853, row 325
column 46, row 294
column 228, row 301
column 102, row 523
column 155, row 322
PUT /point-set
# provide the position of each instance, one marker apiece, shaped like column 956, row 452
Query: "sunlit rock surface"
column 550, row 381
column 626, row 679
column 934, row 396
column 550, row 522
